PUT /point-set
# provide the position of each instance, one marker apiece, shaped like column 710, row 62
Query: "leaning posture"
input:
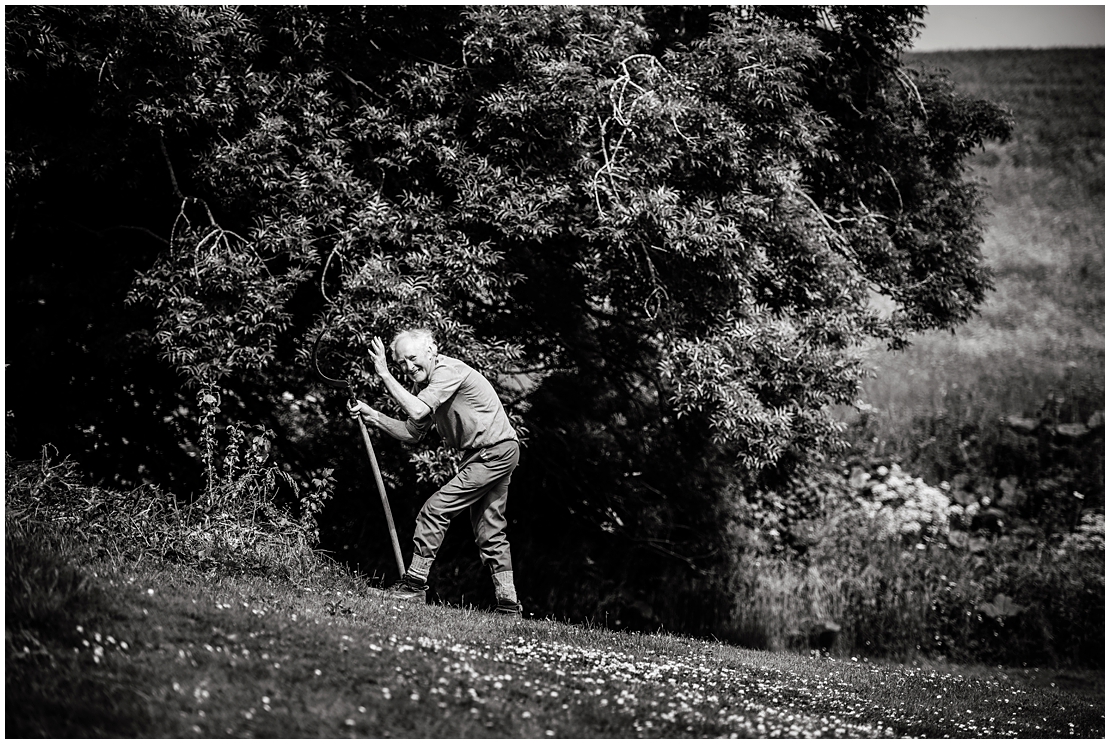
column 464, row 408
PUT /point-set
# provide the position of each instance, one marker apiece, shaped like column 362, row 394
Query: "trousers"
column 482, row 486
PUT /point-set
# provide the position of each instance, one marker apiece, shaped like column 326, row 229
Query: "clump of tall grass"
column 234, row 525
column 57, row 527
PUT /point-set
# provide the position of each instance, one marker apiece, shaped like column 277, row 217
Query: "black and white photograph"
column 554, row 371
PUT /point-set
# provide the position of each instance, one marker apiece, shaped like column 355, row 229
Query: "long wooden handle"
column 385, row 500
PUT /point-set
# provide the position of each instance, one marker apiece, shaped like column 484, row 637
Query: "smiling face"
column 415, row 356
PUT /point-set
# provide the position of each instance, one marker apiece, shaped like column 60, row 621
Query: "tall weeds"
column 234, row 526
column 892, row 567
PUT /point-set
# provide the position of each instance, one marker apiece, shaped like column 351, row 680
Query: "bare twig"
column 136, row 228
column 324, row 273
column 608, row 168
column 658, row 293
column 169, row 166
column 904, row 79
column 104, row 66
column 364, row 86
column 623, row 107
column 144, row 230
column 901, row 206
column 842, row 247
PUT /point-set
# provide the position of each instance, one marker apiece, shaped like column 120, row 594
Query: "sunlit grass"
column 176, row 653
column 997, row 372
column 1040, row 332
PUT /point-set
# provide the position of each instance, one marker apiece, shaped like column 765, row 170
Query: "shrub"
column 887, row 562
column 907, row 508
column 234, row 525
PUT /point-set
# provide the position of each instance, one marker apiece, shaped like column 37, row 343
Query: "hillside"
column 1056, row 97
column 125, row 619
column 124, row 649
column 140, row 614
column 1037, row 348
column 1047, row 184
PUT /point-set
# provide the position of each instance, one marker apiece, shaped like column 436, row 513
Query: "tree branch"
column 169, row 166
column 100, row 233
column 845, row 250
column 363, row 85
column 324, row 274
column 904, row 79
column 654, row 546
column 901, row 205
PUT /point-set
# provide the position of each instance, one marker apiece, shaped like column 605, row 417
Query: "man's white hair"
column 417, row 334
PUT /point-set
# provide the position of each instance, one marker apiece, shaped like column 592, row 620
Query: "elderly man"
column 465, row 410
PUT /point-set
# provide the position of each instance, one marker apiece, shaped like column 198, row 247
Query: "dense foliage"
column 660, row 230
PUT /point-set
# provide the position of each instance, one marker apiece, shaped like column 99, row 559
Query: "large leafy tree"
column 661, row 231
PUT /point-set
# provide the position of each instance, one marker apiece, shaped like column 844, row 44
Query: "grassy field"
column 1039, row 342
column 156, row 650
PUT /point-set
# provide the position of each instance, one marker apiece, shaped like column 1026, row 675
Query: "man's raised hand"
column 378, row 357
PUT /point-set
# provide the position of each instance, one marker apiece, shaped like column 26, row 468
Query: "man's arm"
column 391, row 426
column 414, row 408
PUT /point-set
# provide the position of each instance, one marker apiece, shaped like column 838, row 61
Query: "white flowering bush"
column 896, row 565
column 1089, row 536
column 961, row 516
column 900, row 506
column 903, row 569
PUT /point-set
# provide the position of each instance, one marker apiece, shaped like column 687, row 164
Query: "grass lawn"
column 157, row 650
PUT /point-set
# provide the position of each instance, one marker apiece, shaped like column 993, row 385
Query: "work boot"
column 508, row 607
column 505, row 591
column 408, row 589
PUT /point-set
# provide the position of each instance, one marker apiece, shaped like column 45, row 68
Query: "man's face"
column 415, row 358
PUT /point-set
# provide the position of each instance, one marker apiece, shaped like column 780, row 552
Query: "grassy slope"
column 153, row 650
column 1042, row 331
